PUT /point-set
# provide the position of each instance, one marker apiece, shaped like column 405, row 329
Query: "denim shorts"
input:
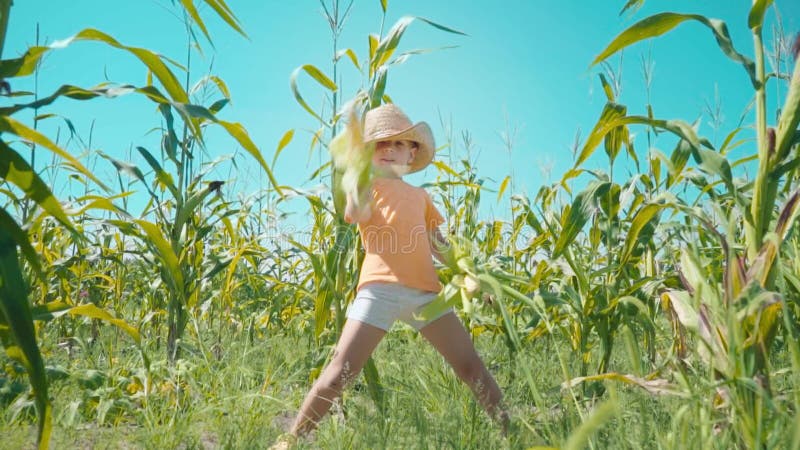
column 380, row 304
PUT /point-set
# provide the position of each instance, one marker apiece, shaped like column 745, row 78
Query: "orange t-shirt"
column 395, row 238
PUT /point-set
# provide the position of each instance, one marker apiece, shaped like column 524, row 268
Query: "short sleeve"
column 432, row 216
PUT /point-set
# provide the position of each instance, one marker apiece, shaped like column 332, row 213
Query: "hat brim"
column 421, row 134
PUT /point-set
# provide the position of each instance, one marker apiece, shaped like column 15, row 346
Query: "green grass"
column 247, row 398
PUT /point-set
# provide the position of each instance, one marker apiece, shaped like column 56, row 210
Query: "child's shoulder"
column 401, row 186
column 396, row 183
column 421, row 189
column 417, row 189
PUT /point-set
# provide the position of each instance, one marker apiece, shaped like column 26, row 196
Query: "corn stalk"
column 16, row 323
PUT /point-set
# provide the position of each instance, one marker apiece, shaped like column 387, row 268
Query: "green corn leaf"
column 694, row 274
column 320, row 77
column 602, row 413
column 153, row 61
column 169, row 140
column 520, row 297
column 493, row 236
column 446, row 299
column 786, row 133
column 350, row 54
column 497, row 290
column 641, row 308
column 580, row 212
column 713, row 345
column 659, row 24
column 726, row 144
column 378, row 87
column 287, row 137
column 440, row 27
column 709, row 161
column 323, row 80
column 643, row 217
column 316, row 173
column 161, row 175
column 92, row 311
column 503, row 187
column 217, row 81
column 662, row 158
column 403, row 57
column 49, row 310
column 24, row 65
column 788, row 215
column 374, row 386
column 445, row 168
column 759, row 315
column 188, row 6
column 15, row 313
column 653, row 386
column 77, row 93
column 374, row 41
column 568, row 175
column 189, row 208
column 194, row 116
column 753, row 301
column 324, row 284
column 632, row 5
column 322, row 310
column 17, row 171
column 98, row 202
column 610, row 119
column 125, row 167
column 225, row 13
column 608, row 198
column 680, row 302
column 9, row 125
column 510, row 329
column 389, row 44
column 166, row 255
column 756, row 16
column 613, row 117
column 20, row 237
column 607, row 89
column 238, row 132
column 655, row 168
column 713, row 163
column 217, row 106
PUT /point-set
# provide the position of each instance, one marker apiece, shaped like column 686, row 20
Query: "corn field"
column 648, row 303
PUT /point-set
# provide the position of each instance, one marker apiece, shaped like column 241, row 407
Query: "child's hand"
column 353, row 157
column 357, row 212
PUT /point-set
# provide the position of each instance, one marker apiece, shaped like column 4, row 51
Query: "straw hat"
column 389, row 122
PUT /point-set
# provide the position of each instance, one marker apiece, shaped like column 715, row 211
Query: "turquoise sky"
column 524, row 66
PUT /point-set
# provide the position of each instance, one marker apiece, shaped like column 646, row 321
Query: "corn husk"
column 353, row 158
column 473, row 278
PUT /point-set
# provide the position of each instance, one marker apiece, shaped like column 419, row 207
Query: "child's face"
column 392, row 152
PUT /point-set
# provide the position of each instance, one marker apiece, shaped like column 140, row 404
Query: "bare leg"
column 448, row 337
column 356, row 344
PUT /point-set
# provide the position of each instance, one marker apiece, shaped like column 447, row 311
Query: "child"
column 397, row 276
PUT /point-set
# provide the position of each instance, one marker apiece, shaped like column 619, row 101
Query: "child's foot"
column 285, row 441
column 504, row 419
